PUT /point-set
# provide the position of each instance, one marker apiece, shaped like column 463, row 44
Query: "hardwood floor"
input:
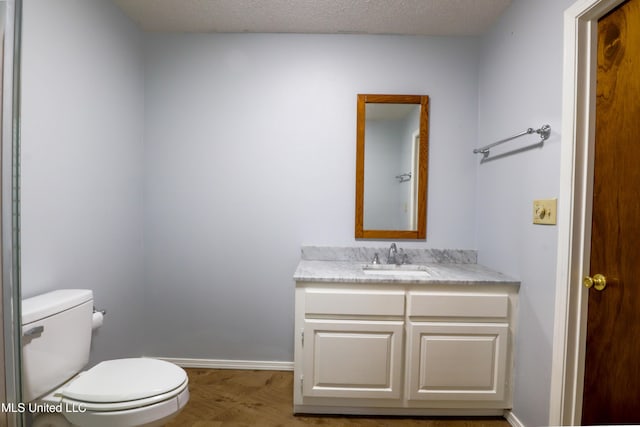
column 233, row 398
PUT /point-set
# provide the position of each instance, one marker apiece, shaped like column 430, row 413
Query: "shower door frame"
column 10, row 316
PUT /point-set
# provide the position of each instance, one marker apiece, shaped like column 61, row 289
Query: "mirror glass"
column 391, row 169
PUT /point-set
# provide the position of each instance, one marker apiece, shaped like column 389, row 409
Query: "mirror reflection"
column 391, row 169
column 392, row 141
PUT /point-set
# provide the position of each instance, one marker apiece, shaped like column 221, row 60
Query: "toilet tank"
column 56, row 339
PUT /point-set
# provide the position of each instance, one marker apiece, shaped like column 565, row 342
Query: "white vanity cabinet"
column 404, row 348
column 352, row 343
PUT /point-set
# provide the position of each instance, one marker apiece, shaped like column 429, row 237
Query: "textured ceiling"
column 415, row 17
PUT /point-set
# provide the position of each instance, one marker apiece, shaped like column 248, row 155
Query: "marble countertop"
column 437, row 273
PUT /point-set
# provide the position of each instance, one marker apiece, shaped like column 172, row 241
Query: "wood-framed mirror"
column 392, row 157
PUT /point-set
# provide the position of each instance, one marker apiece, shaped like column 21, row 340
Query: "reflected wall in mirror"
column 392, row 145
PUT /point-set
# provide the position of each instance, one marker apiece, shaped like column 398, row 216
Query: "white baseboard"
column 230, row 364
column 512, row 419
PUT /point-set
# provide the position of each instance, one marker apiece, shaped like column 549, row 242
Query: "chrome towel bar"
column 544, row 132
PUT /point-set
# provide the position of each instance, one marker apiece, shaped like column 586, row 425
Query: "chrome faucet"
column 392, row 254
column 395, row 256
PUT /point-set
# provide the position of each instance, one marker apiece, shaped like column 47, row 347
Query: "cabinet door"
column 457, row 361
column 352, row 358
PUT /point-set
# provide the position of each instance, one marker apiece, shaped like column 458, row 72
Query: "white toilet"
column 56, row 329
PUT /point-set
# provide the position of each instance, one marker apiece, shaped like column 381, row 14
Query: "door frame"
column 575, row 207
column 415, row 163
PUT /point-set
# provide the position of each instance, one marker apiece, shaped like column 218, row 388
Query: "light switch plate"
column 544, row 211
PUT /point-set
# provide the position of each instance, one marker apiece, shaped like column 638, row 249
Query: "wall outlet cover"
column 544, row 211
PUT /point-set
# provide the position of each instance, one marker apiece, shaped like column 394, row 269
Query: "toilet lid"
column 124, row 380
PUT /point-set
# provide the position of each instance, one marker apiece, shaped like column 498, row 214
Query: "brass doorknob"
column 598, row 281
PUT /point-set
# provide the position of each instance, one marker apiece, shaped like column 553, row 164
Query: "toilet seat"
column 124, row 384
column 122, row 393
column 154, row 415
column 121, row 406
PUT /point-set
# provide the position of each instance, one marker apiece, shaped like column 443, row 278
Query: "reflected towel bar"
column 404, row 177
column 544, row 132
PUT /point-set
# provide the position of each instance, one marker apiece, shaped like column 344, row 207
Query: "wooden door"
column 612, row 365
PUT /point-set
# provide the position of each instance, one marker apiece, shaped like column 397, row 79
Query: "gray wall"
column 520, row 86
column 250, row 151
column 82, row 140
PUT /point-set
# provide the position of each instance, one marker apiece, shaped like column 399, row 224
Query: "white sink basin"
column 396, row 270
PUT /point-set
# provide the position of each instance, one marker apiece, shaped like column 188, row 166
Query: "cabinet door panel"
column 361, row 359
column 457, row 361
